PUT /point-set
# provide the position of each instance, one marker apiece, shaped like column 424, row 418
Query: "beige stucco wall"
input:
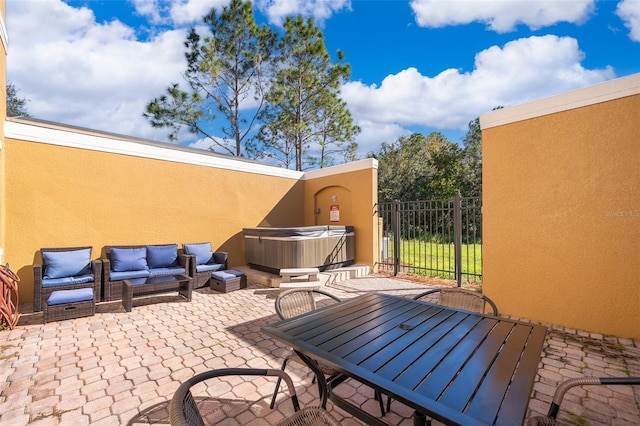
column 561, row 209
column 66, row 188
column 352, row 195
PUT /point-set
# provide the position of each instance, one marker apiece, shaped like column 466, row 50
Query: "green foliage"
column 243, row 76
column 176, row 109
column 427, row 167
column 472, row 160
column 15, row 106
column 336, row 132
column 305, row 122
column 419, row 168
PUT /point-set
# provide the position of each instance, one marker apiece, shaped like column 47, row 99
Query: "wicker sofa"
column 68, row 268
column 139, row 261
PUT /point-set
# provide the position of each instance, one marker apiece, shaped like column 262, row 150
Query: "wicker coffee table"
column 138, row 287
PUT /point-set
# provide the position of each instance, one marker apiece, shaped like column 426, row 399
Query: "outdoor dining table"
column 458, row 367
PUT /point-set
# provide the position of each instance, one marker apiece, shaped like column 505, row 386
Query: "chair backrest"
column 299, row 301
column 62, row 250
column 563, row 387
column 460, row 298
column 183, row 410
column 77, row 261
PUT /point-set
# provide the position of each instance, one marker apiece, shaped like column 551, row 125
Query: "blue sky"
column 421, row 65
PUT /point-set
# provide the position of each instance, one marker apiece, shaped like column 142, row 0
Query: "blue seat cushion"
column 60, row 264
column 201, row 251
column 53, row 282
column 70, row 296
column 209, row 267
column 234, row 272
column 126, row 275
column 162, row 256
column 158, row 272
column 128, row 259
column 222, row 275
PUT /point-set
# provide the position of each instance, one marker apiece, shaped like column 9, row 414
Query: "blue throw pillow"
column 201, row 251
column 162, row 256
column 128, row 259
column 61, row 264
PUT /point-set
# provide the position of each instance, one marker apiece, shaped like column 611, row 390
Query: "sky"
column 416, row 66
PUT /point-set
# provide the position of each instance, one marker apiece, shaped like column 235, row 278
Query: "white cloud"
column 320, row 10
column 202, row 144
column 153, row 10
column 373, row 133
column 500, row 15
column 521, row 71
column 629, row 12
column 176, row 12
column 77, row 71
column 99, row 75
column 192, row 11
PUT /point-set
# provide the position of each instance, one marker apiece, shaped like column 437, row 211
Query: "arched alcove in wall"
column 333, row 206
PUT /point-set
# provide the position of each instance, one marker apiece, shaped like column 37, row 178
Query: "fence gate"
column 434, row 238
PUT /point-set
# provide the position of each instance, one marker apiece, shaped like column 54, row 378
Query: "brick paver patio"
column 119, row 368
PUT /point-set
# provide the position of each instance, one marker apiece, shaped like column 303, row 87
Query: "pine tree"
column 225, row 74
column 15, row 106
column 304, row 122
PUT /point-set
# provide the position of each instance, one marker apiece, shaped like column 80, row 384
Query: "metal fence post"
column 457, row 236
column 396, row 237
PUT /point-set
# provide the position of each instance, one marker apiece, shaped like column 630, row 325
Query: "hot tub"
column 324, row 247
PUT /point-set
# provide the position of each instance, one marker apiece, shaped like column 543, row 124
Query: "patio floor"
column 119, row 368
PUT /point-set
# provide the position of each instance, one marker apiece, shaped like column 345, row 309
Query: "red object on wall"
column 334, row 213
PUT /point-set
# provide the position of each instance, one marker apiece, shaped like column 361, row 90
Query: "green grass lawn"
column 436, row 259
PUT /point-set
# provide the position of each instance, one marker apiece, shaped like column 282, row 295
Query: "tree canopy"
column 277, row 96
column 421, row 167
column 225, row 72
column 15, row 106
column 304, row 118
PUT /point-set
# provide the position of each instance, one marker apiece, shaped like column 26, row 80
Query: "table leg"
column 322, row 381
column 356, row 411
column 419, row 419
column 186, row 289
column 326, row 393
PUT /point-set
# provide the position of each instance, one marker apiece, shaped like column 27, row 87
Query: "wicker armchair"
column 294, row 302
column 550, row 419
column 46, row 281
column 183, row 410
column 204, row 262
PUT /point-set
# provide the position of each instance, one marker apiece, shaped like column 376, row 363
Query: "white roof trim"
column 607, row 91
column 156, row 150
column 3, row 34
column 369, row 163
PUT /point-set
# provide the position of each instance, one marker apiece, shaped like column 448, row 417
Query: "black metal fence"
column 435, row 238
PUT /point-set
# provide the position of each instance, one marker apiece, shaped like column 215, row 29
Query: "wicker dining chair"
column 294, row 302
column 460, row 298
column 184, row 411
column 457, row 298
column 563, row 387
